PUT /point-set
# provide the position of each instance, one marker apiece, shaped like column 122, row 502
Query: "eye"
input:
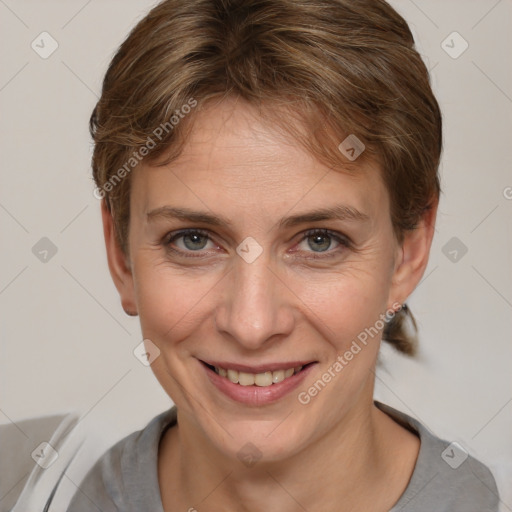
column 323, row 241
column 317, row 241
column 187, row 241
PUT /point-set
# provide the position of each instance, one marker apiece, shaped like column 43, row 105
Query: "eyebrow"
column 337, row 212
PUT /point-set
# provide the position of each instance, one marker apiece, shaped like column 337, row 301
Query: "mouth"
column 261, row 378
column 257, row 385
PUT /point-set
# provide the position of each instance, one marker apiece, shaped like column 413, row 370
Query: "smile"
column 257, row 385
column 263, row 379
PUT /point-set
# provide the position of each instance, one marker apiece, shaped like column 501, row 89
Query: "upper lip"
column 258, row 368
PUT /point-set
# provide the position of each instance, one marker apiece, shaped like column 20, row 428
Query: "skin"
column 284, row 306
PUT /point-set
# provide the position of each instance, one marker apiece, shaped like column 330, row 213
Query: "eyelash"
column 343, row 241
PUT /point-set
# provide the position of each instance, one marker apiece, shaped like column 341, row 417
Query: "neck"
column 361, row 464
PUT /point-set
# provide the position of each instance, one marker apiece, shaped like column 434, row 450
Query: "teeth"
column 246, row 379
column 278, row 376
column 258, row 379
column 233, row 376
column 263, row 379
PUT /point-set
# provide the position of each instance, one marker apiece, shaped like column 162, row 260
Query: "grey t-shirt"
column 445, row 478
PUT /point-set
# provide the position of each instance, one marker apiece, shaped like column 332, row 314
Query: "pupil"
column 320, row 238
column 196, row 241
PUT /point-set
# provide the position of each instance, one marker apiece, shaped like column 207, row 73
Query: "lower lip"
column 256, row 395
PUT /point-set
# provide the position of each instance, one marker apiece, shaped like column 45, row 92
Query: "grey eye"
column 194, row 241
column 319, row 242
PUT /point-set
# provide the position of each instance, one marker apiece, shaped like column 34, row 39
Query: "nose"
column 255, row 306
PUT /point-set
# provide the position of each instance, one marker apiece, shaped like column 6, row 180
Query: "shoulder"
column 445, row 477
column 125, row 477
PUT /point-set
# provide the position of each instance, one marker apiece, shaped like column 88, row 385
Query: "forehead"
column 233, row 160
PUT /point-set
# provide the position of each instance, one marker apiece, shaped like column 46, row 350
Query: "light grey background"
column 66, row 342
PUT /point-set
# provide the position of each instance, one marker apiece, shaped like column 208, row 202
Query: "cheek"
column 171, row 303
column 344, row 304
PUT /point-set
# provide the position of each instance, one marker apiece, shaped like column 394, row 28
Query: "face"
column 237, row 276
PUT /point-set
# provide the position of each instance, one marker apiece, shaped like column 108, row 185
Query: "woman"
column 269, row 186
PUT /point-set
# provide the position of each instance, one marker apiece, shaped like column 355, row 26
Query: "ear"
column 412, row 257
column 117, row 263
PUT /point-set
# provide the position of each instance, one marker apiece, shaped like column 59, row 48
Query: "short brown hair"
column 337, row 67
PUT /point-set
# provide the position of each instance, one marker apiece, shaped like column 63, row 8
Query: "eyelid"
column 169, row 237
column 324, row 231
